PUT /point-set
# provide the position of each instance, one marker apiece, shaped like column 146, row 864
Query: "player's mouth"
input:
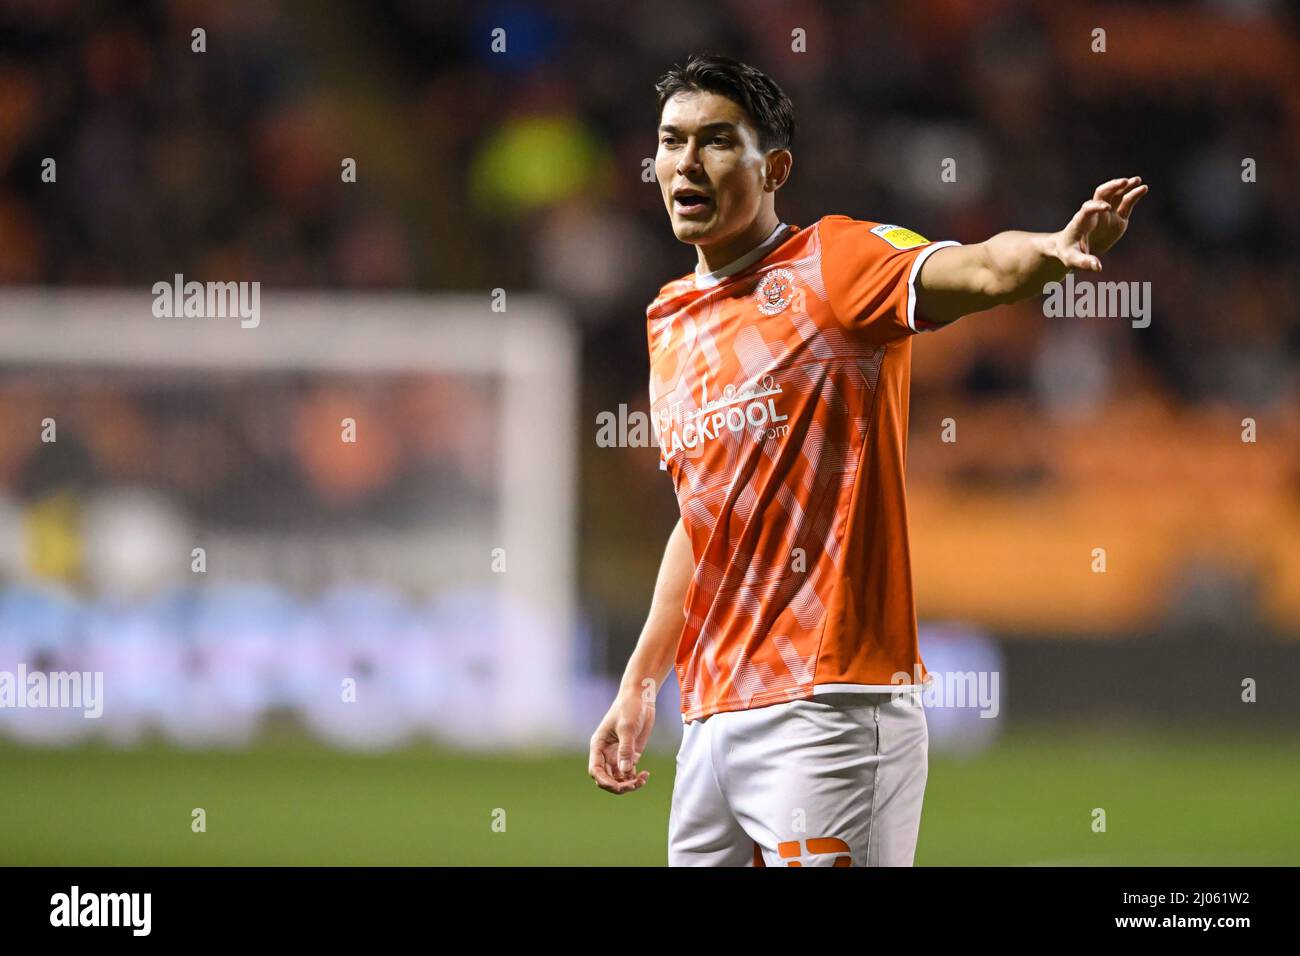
column 692, row 202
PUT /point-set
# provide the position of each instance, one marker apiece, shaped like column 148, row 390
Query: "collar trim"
column 707, row 280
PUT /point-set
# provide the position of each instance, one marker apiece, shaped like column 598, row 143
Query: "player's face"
column 709, row 166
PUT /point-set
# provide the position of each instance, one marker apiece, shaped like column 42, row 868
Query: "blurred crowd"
column 522, row 168
column 357, row 666
column 252, row 450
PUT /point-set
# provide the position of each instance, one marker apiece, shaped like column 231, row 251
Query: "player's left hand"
column 1099, row 223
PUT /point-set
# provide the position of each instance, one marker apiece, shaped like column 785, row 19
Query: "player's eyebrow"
column 720, row 124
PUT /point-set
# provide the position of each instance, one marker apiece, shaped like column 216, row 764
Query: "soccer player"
column 779, row 375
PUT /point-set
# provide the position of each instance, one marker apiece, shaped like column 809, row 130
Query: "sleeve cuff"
column 912, row 322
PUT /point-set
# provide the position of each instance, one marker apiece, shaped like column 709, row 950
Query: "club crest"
column 775, row 292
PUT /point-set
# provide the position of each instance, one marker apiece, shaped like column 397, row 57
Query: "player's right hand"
column 619, row 741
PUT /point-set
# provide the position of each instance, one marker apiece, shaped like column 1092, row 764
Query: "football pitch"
column 1030, row 800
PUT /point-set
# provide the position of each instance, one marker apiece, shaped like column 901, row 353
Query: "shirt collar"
column 707, row 280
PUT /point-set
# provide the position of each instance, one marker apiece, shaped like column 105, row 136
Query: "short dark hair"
column 769, row 109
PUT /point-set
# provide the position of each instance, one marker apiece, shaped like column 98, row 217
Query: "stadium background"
column 522, row 171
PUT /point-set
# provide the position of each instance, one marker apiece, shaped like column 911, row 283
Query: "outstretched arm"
column 959, row 280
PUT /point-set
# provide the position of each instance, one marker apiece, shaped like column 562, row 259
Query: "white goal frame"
column 533, row 347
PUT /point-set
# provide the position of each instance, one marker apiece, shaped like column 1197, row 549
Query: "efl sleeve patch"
column 899, row 237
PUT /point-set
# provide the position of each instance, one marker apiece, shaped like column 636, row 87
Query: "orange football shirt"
column 779, row 393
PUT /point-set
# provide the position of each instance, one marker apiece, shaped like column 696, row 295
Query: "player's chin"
column 694, row 230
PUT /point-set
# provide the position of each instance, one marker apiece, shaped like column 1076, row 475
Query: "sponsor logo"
column 899, row 237
column 751, row 409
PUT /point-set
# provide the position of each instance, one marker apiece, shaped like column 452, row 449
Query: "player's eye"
column 721, row 141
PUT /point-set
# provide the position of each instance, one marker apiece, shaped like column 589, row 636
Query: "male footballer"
column 779, row 375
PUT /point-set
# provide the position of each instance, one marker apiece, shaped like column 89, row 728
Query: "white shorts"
column 834, row 780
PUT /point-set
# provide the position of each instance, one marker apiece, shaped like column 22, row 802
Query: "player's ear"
column 777, row 169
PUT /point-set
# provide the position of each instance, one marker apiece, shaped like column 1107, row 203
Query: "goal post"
column 529, row 356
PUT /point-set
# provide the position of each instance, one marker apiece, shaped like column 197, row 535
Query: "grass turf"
column 1168, row 800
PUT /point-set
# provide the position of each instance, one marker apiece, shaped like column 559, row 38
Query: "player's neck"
column 722, row 254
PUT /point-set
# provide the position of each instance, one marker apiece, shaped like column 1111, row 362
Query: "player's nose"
column 689, row 160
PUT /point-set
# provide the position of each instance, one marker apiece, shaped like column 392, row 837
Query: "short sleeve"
column 869, row 270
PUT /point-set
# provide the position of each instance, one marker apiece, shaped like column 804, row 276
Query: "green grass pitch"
column 1169, row 800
